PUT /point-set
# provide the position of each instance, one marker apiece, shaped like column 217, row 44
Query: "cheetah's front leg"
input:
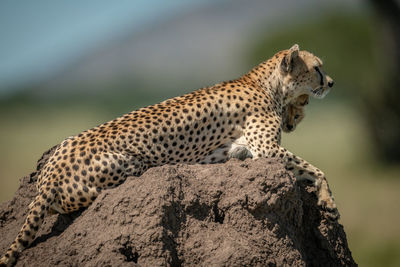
column 306, row 171
column 266, row 144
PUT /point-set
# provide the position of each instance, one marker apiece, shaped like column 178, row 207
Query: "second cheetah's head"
column 301, row 73
column 293, row 113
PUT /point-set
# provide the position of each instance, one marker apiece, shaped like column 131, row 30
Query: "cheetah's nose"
column 290, row 127
column 330, row 83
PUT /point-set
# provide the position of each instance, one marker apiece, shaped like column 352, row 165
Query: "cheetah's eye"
column 296, row 116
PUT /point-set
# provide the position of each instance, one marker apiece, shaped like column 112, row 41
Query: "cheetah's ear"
column 295, row 47
column 287, row 63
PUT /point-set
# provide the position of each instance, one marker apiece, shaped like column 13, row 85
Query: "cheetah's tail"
column 38, row 210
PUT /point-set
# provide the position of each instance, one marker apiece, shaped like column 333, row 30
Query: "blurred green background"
column 352, row 135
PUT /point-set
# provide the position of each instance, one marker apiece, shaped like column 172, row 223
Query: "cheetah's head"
column 293, row 113
column 301, row 73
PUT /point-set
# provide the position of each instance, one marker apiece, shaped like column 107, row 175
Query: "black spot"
column 24, row 243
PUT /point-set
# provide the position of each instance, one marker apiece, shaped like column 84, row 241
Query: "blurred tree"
column 384, row 111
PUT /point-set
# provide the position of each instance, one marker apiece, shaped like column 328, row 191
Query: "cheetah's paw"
column 329, row 205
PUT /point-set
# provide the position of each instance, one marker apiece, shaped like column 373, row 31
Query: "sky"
column 39, row 36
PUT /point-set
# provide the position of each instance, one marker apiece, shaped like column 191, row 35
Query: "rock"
column 240, row 213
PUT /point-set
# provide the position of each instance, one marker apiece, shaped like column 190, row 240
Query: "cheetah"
column 183, row 129
column 292, row 114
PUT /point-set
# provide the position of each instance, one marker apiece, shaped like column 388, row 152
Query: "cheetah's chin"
column 320, row 93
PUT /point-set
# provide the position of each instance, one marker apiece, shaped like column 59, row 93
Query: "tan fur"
column 184, row 129
column 293, row 113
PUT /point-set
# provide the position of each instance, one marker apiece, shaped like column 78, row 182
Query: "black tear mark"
column 320, row 75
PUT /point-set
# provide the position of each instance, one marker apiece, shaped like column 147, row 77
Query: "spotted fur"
column 184, row 129
column 293, row 114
